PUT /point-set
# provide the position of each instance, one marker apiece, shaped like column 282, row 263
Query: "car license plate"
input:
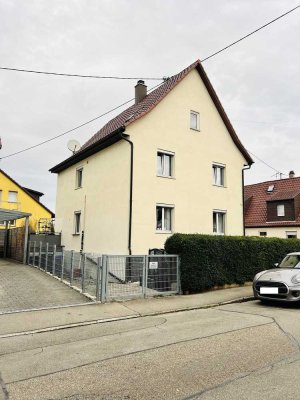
column 269, row 290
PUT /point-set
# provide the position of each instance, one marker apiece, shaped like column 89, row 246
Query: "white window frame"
column 218, row 213
column 197, row 115
column 16, row 196
column 218, row 178
column 79, row 174
column 77, row 223
column 166, row 155
column 280, row 210
column 291, row 233
column 163, row 227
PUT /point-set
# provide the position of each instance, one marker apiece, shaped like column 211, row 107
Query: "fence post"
column 62, row 264
column 83, row 273
column 104, row 277
column 46, row 260
column 146, row 274
column 54, row 259
column 99, row 266
column 33, row 261
column 144, row 285
column 72, row 267
column 29, row 251
column 178, row 275
column 40, row 254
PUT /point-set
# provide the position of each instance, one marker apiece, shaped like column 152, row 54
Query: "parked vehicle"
column 281, row 282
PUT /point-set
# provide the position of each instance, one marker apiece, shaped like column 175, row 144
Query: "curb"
column 128, row 317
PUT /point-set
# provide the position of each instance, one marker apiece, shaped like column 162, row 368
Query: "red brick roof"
column 137, row 111
column 257, row 196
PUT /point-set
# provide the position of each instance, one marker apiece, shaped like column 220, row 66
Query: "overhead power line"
column 115, row 108
column 268, row 165
column 251, row 33
column 78, row 75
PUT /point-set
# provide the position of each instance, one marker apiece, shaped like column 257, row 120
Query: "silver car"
column 280, row 283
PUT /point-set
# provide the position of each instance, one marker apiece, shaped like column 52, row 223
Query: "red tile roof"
column 137, row 111
column 257, row 196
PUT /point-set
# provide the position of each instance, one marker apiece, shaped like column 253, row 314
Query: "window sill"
column 221, row 186
column 194, row 129
column 75, row 234
column 165, row 176
column 79, row 187
column 161, row 231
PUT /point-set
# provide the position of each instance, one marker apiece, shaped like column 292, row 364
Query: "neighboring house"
column 272, row 208
column 15, row 197
column 171, row 162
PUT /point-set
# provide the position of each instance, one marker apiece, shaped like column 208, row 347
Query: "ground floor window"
column 291, row 234
column 263, row 234
column 77, row 222
column 164, row 218
column 219, row 222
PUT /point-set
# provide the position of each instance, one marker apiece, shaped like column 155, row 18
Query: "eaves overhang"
column 89, row 151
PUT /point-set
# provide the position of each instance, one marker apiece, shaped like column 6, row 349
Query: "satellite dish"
column 73, row 145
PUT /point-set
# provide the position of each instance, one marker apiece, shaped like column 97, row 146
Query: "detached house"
column 272, row 208
column 171, row 162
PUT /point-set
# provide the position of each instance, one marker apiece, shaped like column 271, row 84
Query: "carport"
column 13, row 215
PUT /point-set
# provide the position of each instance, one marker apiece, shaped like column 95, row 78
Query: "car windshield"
column 292, row 261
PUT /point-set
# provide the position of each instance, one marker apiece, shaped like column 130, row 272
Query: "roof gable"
column 27, row 192
column 119, row 123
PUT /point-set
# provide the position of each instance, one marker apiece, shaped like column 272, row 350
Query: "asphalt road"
column 237, row 351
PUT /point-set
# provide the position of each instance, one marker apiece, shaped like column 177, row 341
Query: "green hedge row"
column 207, row 261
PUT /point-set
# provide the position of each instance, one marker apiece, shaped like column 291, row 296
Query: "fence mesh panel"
column 108, row 277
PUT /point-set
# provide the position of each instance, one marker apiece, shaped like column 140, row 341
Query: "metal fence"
column 108, row 277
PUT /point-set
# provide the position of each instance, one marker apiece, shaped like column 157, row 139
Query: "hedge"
column 207, row 261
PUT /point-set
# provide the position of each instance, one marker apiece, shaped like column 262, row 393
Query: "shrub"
column 207, row 261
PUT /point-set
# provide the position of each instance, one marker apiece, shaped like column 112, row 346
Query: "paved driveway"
column 23, row 287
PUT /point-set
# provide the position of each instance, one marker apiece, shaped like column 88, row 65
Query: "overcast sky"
column 257, row 80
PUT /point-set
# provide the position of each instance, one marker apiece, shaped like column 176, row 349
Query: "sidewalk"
column 60, row 318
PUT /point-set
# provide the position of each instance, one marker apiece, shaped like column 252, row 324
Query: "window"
column 264, row 234
column 291, row 234
column 219, row 222
column 12, row 197
column 77, row 217
column 79, row 173
column 218, row 174
column 280, row 210
column 164, row 164
column 164, row 218
column 194, row 120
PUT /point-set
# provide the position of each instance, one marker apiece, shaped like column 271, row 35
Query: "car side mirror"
column 276, row 265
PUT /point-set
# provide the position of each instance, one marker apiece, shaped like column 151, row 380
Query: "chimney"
column 291, row 174
column 140, row 91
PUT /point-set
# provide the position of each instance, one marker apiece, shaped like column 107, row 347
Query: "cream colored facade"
column 279, row 232
column 103, row 199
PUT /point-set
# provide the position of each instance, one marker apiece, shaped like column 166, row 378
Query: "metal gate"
column 108, row 277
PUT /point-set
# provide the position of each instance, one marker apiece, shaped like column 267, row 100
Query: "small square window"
column 291, row 234
column 79, row 175
column 164, row 218
column 263, row 234
column 164, row 164
column 194, row 120
column 218, row 175
column 12, row 197
column 280, row 210
column 219, row 222
column 77, row 222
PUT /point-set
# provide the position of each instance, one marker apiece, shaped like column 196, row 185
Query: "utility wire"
column 268, row 165
column 251, row 33
column 78, row 75
column 76, row 127
column 91, row 76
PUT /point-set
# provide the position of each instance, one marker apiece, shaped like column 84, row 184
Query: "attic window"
column 270, row 188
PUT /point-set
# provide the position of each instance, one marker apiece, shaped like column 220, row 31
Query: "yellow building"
column 171, row 162
column 15, row 197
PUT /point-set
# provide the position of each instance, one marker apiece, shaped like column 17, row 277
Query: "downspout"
column 125, row 137
column 243, row 169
